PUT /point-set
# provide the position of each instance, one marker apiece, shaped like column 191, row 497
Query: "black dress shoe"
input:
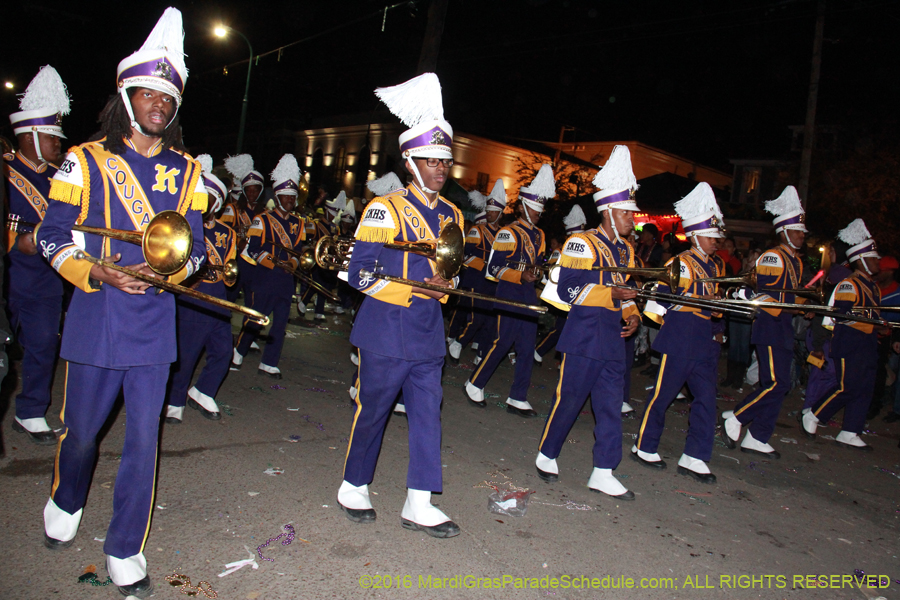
column 447, row 529
column 41, row 438
column 267, row 374
column 653, row 464
column 235, row 367
column 401, row 413
column 55, row 544
column 650, row 371
column 473, row 402
column 774, row 454
column 729, row 443
column 865, row 448
column 173, row 421
column 359, row 515
column 629, row 495
column 546, row 476
column 208, row 414
column 522, row 412
column 809, row 436
column 140, row 589
column 701, row 477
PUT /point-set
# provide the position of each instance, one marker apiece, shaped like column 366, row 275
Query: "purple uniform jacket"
column 393, row 321
column 517, row 242
column 28, row 190
column 267, row 230
column 221, row 245
column 106, row 327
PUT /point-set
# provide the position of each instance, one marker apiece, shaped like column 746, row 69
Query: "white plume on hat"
column 575, row 218
column 854, row 233
column 700, row 201
column 414, row 101
column 498, row 194
column 239, row 166
column 477, row 200
column 338, row 202
column 46, row 92
column 348, row 213
column 206, row 163
column 543, row 185
column 287, row 168
column 787, row 202
column 384, row 185
column 616, row 174
column 168, row 35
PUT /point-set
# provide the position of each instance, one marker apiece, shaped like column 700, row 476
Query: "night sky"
column 706, row 80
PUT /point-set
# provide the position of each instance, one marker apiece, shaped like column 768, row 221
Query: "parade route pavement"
column 801, row 527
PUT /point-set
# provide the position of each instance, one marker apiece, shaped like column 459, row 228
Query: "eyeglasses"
column 433, row 162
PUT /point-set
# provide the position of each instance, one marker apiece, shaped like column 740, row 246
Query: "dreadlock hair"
column 115, row 126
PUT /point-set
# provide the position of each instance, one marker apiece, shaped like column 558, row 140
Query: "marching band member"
column 687, row 345
column 272, row 288
column 574, row 223
column 239, row 216
column 201, row 325
column 773, row 334
column 523, row 242
column 326, row 225
column 593, row 339
column 35, row 290
column 119, row 337
column 399, row 329
column 479, row 240
column 854, row 347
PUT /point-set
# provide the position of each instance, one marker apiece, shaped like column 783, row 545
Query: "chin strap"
column 787, row 239
column 697, row 247
column 123, row 91
column 415, row 170
column 612, row 223
column 527, row 214
column 37, row 146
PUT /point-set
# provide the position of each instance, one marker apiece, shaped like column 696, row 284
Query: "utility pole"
column 562, row 133
column 431, row 45
column 809, row 129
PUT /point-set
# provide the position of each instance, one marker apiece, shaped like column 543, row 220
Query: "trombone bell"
column 166, row 243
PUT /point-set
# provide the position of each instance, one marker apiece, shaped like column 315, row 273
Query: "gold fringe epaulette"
column 378, row 235
column 200, row 202
column 571, row 262
column 66, row 192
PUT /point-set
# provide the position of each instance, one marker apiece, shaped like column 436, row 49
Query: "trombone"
column 647, row 293
column 828, row 311
column 167, row 239
column 300, row 274
column 229, row 271
column 334, row 252
column 749, row 280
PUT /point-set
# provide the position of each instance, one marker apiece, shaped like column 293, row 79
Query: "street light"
column 222, row 31
column 9, row 85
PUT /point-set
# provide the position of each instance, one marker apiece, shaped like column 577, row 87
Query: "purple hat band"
column 252, row 179
column 290, row 184
column 796, row 220
column 705, row 224
column 864, row 248
column 494, row 204
column 531, row 197
column 433, row 137
column 160, row 68
column 574, row 229
column 617, row 197
column 51, row 120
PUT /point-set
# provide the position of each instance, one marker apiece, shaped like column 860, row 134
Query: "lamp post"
column 221, row 31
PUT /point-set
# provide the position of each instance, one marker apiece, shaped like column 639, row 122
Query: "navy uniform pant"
column 35, row 321
column 674, row 371
column 762, row 406
column 280, row 309
column 461, row 318
column 579, row 377
column 90, row 395
column 629, row 360
column 327, row 280
column 513, row 331
column 856, row 384
column 197, row 331
column 479, row 330
column 381, row 378
column 549, row 342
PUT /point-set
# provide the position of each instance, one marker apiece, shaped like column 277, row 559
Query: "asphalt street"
column 820, row 516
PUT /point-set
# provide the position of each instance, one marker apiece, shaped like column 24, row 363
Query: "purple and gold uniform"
column 773, row 336
column 204, row 326
column 476, row 328
column 400, row 336
column 515, row 327
column 689, row 354
column 272, row 288
column 550, row 340
column 316, row 230
column 115, row 341
column 34, row 290
column 592, row 345
column 854, row 350
column 239, row 219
